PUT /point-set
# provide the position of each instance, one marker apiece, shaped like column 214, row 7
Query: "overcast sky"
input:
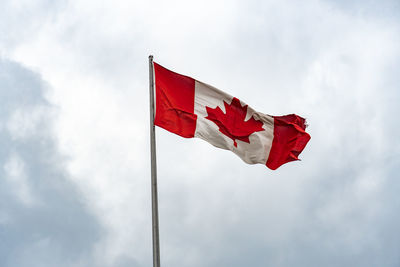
column 74, row 134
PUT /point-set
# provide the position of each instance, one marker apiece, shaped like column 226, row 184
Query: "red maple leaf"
column 232, row 124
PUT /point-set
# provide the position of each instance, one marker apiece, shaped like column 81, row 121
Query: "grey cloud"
column 371, row 8
column 339, row 207
column 43, row 218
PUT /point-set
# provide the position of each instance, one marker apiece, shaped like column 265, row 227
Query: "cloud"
column 333, row 62
column 23, row 19
column 43, row 219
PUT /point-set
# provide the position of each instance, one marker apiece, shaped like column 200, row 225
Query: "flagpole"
column 154, row 197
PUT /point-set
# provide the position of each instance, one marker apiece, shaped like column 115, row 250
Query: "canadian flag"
column 190, row 108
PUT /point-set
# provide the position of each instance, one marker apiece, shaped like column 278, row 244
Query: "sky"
column 75, row 147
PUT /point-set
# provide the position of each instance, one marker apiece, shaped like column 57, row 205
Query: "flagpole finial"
column 151, row 57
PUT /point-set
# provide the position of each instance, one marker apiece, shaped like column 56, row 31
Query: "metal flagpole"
column 154, row 197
